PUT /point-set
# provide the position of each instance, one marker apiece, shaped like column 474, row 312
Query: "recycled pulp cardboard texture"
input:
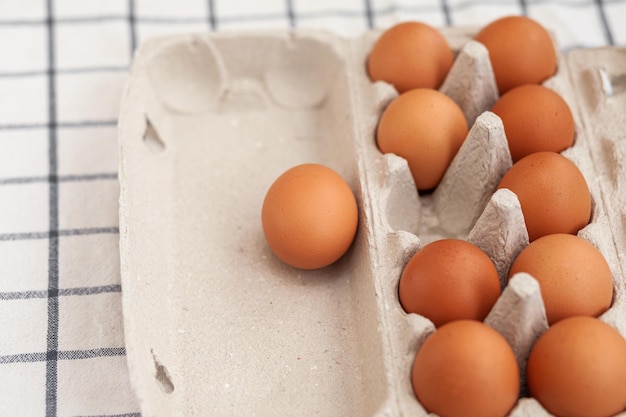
column 216, row 325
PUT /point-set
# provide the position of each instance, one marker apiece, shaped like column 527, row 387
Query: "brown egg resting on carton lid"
column 214, row 324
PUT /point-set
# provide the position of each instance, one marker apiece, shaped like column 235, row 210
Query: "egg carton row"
column 214, row 323
column 466, row 204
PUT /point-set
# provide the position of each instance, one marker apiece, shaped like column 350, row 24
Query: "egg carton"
column 216, row 325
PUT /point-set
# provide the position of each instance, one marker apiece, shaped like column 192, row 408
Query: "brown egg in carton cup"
column 216, row 324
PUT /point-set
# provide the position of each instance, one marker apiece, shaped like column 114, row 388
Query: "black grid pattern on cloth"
column 53, row 238
column 62, row 355
column 370, row 14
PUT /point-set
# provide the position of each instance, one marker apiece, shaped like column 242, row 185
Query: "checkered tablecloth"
column 63, row 64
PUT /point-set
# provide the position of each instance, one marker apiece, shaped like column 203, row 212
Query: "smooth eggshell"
column 577, row 368
column 466, row 368
column 521, row 51
column 448, row 280
column 410, row 55
column 552, row 192
column 425, row 127
column 309, row 216
column 535, row 119
column 574, row 277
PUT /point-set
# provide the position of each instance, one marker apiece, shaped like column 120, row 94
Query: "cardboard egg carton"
column 216, row 325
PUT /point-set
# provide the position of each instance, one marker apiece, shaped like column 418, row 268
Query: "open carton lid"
column 215, row 324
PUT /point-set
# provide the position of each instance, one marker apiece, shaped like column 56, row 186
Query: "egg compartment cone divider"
column 215, row 324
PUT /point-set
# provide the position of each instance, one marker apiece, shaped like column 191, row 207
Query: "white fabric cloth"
column 63, row 64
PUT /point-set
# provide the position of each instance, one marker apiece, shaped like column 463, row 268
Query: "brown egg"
column 467, row 369
column 535, row 119
column 410, row 55
column 309, row 216
column 577, row 368
column 448, row 280
column 425, row 127
column 552, row 192
column 574, row 277
column 521, row 51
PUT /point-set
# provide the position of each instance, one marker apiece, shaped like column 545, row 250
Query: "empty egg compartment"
column 215, row 324
column 465, row 204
